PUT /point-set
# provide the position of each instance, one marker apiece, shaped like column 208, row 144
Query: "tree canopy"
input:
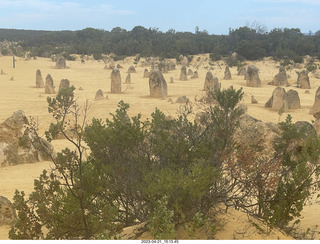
column 249, row 42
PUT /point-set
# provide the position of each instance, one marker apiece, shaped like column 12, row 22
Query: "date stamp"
column 159, row 241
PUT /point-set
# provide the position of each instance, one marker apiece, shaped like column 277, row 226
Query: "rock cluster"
column 281, row 99
column 211, row 82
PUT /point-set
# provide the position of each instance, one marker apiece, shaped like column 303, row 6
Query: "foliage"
column 311, row 66
column 275, row 187
column 161, row 223
column 250, row 42
column 164, row 171
column 299, row 173
column 66, row 201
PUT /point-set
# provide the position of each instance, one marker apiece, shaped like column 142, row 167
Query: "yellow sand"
column 17, row 91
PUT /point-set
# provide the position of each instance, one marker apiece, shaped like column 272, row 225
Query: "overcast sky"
column 181, row 15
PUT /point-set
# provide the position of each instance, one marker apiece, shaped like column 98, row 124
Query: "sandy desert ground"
column 17, row 91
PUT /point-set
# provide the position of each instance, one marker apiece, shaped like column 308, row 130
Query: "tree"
column 67, row 200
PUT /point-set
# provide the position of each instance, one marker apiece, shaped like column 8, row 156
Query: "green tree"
column 66, row 202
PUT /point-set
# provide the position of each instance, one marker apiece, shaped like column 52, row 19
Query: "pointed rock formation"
column 7, row 213
column 281, row 99
column 227, row 74
column 303, row 81
column 64, row 83
column 280, row 79
column 316, row 105
column 252, row 78
column 253, row 100
column 115, row 81
column 128, row 79
column 183, row 73
column 146, row 73
column 190, row 72
column 39, row 80
column 157, row 84
column 99, row 95
column 293, row 99
column 61, row 62
column 211, row 82
column 195, row 75
column 49, row 88
column 132, row 69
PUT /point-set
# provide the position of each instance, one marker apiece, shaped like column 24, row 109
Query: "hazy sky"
column 182, row 15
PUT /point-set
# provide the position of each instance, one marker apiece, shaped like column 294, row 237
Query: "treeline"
column 250, row 43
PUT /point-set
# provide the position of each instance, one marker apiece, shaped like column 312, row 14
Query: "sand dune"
column 20, row 93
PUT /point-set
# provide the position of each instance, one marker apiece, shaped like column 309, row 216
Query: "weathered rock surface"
column 211, row 82
column 61, row 62
column 15, row 142
column 227, row 73
column 39, row 80
column 49, row 88
column 128, row 79
column 252, row 77
column 157, row 84
column 64, row 83
column 115, row 81
column 303, row 81
column 184, row 60
column 316, row 105
column 146, row 73
column 253, row 100
column 195, row 75
column 182, row 99
column 253, row 132
column 280, row 79
column 242, row 71
column 183, row 73
column 293, row 99
column 132, row 69
column 281, row 99
column 99, row 95
column 7, row 213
